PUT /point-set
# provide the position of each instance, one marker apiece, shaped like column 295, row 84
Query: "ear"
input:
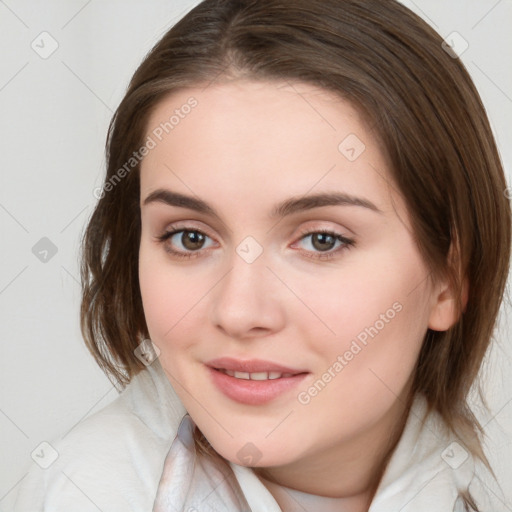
column 448, row 305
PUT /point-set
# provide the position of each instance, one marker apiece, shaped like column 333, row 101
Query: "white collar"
column 429, row 465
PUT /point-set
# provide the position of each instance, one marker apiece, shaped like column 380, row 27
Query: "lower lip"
column 253, row 392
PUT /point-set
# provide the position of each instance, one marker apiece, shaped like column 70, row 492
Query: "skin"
column 244, row 148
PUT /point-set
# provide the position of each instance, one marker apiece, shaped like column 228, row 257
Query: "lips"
column 254, row 381
column 252, row 366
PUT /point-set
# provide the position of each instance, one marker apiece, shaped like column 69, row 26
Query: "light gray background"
column 53, row 122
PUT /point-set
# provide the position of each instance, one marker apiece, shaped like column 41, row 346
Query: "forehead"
column 248, row 138
column 242, row 108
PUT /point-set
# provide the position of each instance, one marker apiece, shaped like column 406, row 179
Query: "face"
column 275, row 244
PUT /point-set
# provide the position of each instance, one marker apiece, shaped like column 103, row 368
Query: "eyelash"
column 347, row 243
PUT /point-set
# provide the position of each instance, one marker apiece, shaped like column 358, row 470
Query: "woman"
column 304, row 211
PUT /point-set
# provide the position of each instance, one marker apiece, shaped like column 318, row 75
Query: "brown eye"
column 323, row 241
column 324, row 245
column 185, row 242
column 192, row 240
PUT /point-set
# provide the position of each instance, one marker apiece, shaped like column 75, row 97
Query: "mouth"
column 253, row 369
column 256, row 375
column 253, row 382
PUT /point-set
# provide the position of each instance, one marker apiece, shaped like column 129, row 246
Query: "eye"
column 324, row 244
column 185, row 243
column 190, row 243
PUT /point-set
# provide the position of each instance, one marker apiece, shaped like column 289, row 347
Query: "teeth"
column 256, row 375
column 259, row 376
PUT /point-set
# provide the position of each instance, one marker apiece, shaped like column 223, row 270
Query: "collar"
column 428, row 463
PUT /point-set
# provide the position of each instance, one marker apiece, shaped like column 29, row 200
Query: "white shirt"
column 118, row 459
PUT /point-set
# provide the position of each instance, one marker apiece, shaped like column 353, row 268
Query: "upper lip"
column 251, row 366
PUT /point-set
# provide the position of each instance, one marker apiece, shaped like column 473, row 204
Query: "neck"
column 288, row 498
column 347, row 476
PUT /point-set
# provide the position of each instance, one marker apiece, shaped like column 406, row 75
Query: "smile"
column 256, row 375
column 256, row 387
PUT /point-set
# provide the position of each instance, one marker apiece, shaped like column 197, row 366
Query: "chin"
column 256, row 454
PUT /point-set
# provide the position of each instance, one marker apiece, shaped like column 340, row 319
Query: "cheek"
column 168, row 297
column 377, row 314
column 382, row 288
column 363, row 371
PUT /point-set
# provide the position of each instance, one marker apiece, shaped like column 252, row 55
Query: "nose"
column 248, row 301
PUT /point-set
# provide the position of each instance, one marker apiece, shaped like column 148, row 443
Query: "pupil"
column 323, row 241
column 192, row 240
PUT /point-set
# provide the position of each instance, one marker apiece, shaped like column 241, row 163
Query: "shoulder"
column 113, row 459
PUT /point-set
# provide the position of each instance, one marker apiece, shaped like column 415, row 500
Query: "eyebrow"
column 288, row 207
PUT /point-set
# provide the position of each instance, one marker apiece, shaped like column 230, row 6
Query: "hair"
column 423, row 108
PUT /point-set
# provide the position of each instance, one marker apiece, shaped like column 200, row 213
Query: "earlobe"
column 448, row 307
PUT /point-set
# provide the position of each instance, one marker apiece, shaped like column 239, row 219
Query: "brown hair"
column 424, row 109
